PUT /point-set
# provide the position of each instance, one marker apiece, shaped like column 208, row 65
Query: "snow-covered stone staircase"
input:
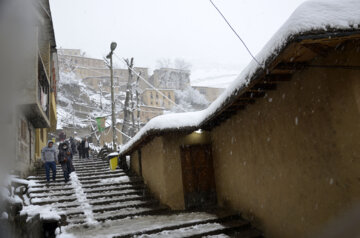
column 104, row 203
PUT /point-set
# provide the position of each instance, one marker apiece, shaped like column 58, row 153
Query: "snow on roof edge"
column 313, row 16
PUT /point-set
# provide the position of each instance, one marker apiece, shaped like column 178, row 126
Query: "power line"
column 149, row 84
column 238, row 36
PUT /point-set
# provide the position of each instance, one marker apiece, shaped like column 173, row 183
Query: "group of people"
column 67, row 149
column 83, row 148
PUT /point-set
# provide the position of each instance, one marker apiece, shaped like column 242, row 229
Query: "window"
column 151, row 95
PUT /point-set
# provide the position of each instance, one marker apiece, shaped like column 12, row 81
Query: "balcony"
column 37, row 109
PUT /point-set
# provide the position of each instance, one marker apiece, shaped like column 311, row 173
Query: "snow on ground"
column 129, row 225
column 77, row 101
column 47, row 212
column 121, row 179
column 82, row 199
column 310, row 16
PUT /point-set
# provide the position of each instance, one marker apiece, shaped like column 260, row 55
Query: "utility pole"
column 138, row 104
column 110, row 56
column 126, row 124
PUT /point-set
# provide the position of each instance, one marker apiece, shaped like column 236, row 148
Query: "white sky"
column 152, row 29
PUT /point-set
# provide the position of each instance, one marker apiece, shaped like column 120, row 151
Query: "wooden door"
column 198, row 176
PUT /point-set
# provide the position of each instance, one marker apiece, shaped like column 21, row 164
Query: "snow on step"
column 81, row 198
column 133, row 180
column 101, row 176
column 119, row 171
column 126, row 212
column 51, row 194
column 201, row 229
column 130, row 226
column 114, row 188
column 119, row 206
column 50, row 200
column 115, row 193
column 114, row 199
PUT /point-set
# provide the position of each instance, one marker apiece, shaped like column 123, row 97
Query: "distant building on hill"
column 96, row 71
column 166, row 78
column 160, row 98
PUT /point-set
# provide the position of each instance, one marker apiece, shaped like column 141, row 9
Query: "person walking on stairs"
column 65, row 159
column 85, row 148
column 79, row 148
column 48, row 157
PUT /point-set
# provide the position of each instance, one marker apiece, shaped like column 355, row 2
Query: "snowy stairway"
column 107, row 195
column 180, row 224
column 103, row 203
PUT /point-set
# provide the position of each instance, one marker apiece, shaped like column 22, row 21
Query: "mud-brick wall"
column 152, row 161
column 161, row 166
column 161, row 171
column 291, row 161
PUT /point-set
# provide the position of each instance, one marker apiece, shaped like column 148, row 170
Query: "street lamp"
column 109, row 56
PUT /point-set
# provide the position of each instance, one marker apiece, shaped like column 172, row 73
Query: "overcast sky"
column 152, row 29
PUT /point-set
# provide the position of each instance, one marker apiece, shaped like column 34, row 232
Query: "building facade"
column 281, row 148
column 37, row 116
column 163, row 98
column 166, row 78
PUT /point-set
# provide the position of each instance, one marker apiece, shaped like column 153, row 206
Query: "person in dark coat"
column 64, row 158
column 73, row 146
column 79, row 148
column 85, row 148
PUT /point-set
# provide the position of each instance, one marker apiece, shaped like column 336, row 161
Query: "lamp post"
column 109, row 56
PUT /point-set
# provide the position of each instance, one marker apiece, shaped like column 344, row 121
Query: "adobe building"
column 95, row 72
column 167, row 78
column 281, row 145
column 158, row 98
column 37, row 116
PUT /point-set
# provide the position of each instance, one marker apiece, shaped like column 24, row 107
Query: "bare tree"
column 164, row 63
column 182, row 64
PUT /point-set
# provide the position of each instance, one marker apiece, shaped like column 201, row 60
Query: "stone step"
column 124, row 205
column 114, row 188
column 80, row 168
column 45, row 189
column 81, row 177
column 129, row 212
column 113, row 207
column 133, row 180
column 103, row 176
column 202, row 230
column 52, row 194
column 52, row 185
column 76, row 219
column 149, row 225
column 51, row 200
column 116, row 193
column 118, row 171
column 67, row 205
column 119, row 199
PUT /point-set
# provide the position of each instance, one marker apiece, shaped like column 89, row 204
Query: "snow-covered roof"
column 312, row 19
